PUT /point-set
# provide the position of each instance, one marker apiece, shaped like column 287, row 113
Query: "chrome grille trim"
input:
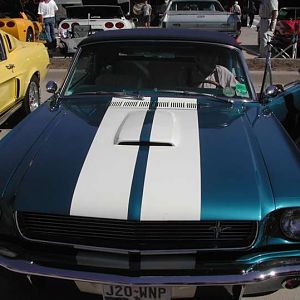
column 60, row 234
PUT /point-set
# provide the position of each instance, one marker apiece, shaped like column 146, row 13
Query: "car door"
column 7, row 78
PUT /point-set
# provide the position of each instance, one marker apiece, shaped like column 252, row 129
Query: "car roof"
column 161, row 34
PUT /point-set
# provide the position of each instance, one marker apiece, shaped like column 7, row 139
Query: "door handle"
column 10, row 66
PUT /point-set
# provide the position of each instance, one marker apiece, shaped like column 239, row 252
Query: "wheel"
column 217, row 84
column 32, row 97
column 63, row 49
column 29, row 35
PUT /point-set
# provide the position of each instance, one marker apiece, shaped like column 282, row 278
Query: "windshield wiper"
column 115, row 94
column 193, row 93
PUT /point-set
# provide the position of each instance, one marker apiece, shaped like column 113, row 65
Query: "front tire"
column 32, row 98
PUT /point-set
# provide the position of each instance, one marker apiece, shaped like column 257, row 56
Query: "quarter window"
column 2, row 50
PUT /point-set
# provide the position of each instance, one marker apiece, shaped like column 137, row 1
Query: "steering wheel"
column 217, row 84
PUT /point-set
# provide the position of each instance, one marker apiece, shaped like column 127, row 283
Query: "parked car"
column 22, row 66
column 85, row 20
column 288, row 27
column 201, row 14
column 15, row 21
column 141, row 176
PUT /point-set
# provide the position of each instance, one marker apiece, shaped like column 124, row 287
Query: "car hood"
column 118, row 159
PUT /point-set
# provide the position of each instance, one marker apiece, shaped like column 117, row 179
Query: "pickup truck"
column 201, row 14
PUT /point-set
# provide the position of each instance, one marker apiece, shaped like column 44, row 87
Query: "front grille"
column 139, row 235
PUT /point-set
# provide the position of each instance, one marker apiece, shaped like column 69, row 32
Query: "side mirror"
column 272, row 91
column 51, row 87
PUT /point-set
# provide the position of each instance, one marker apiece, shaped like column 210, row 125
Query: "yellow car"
column 14, row 20
column 22, row 66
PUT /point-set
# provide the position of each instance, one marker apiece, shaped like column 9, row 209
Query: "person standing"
column 236, row 9
column 147, row 10
column 47, row 10
column 252, row 11
column 268, row 12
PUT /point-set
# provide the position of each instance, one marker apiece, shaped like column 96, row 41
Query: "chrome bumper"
column 270, row 270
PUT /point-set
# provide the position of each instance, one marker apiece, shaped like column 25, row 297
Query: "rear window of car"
column 94, row 12
column 196, row 5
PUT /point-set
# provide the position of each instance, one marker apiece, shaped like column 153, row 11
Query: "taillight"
column 2, row 24
column 10, row 24
column 74, row 24
column 109, row 25
column 65, row 25
column 119, row 25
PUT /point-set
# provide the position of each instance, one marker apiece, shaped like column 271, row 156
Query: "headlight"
column 290, row 223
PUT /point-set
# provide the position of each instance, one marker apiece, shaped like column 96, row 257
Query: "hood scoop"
column 162, row 130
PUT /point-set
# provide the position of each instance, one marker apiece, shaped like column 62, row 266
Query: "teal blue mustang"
column 156, row 172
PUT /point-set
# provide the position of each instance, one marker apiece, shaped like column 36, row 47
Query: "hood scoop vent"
column 163, row 103
column 145, row 143
column 162, row 130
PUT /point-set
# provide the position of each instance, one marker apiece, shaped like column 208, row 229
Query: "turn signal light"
column 109, row 25
column 119, row 25
column 74, row 24
column 10, row 24
column 2, row 24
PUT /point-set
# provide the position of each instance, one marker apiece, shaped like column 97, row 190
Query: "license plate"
column 125, row 292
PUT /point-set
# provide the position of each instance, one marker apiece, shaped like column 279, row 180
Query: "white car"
column 85, row 20
column 200, row 14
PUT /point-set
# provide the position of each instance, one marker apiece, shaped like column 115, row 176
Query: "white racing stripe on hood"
column 172, row 189
column 104, row 184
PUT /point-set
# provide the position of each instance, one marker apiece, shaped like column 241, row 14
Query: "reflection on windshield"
column 192, row 67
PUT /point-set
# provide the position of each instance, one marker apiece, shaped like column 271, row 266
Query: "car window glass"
column 8, row 42
column 84, row 69
column 94, row 12
column 151, row 67
column 196, row 5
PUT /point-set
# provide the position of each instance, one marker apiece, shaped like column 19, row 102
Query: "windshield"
column 196, row 5
column 95, row 12
column 158, row 66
